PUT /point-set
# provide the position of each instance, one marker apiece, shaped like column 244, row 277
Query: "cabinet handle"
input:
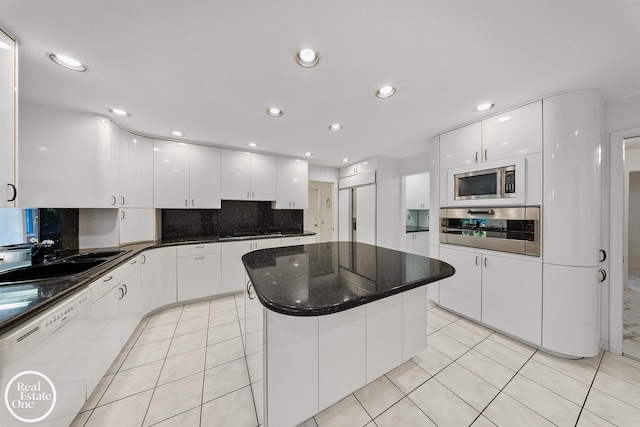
column 15, row 193
column 200, row 247
column 114, row 200
column 199, row 257
column 249, row 286
column 247, row 195
column 602, row 276
column 485, row 155
column 143, row 259
column 476, row 157
column 477, row 260
column 603, row 255
column 125, row 290
column 485, row 261
column 294, row 204
column 252, row 196
column 106, row 279
column 192, row 203
column 289, row 204
column 121, row 200
column 186, row 203
column 121, row 214
column 133, row 262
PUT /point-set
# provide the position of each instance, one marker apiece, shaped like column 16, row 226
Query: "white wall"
column 12, row 227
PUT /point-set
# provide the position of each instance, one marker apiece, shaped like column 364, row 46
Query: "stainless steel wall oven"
column 506, row 229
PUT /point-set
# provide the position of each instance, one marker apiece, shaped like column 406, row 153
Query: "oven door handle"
column 488, row 212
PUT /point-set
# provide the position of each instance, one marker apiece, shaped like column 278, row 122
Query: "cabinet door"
column 512, row 296
column 105, row 340
column 298, row 240
column 235, row 175
column 365, row 214
column 113, row 180
column 159, row 278
column 136, row 225
column 129, row 293
column 461, row 147
column 204, row 177
column 136, row 171
column 408, row 243
column 462, row 291
column 233, row 272
column 514, row 133
column 421, row 244
column 263, row 177
column 7, row 121
column 300, row 184
column 170, row 174
column 292, row 184
column 198, row 276
column 417, row 191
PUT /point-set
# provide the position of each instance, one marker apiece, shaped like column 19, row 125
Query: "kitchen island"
column 332, row 317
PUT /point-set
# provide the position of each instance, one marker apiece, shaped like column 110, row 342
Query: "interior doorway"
column 318, row 218
column 631, row 264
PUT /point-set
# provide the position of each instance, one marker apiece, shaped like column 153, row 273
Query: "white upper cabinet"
column 513, row 133
column 8, row 103
column 170, row 174
column 64, row 159
column 360, row 167
column 417, row 191
column 135, row 171
column 204, row 177
column 461, row 147
column 292, row 183
column 247, row 176
column 186, row 175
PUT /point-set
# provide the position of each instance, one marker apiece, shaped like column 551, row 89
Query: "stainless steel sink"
column 48, row 271
column 92, row 256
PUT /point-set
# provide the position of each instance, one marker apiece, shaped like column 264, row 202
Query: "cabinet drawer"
column 103, row 285
column 205, row 248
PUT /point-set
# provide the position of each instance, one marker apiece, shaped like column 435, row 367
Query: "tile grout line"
column 590, row 387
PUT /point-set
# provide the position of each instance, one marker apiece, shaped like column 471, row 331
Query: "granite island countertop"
column 325, row 278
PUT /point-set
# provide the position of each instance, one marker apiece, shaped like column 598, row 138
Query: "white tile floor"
column 186, row 366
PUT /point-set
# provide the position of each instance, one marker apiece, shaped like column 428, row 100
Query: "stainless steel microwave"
column 494, row 183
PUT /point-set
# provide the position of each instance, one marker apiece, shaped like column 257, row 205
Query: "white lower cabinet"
column 512, row 296
column 417, row 243
column 115, row 312
column 342, row 350
column 298, row 240
column 159, row 278
column 233, row 273
column 199, row 271
column 462, row 291
column 576, row 331
column 414, row 340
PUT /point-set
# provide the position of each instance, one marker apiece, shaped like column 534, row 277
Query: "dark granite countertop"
column 415, row 229
column 325, row 278
column 21, row 301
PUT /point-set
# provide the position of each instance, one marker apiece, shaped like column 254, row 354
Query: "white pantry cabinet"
column 417, row 191
column 186, row 175
column 247, row 176
column 516, row 132
column 135, row 171
column 159, row 278
column 233, row 273
column 292, row 184
column 199, row 271
column 360, row 167
column 8, row 105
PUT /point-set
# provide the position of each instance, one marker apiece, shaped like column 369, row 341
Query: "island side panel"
column 384, row 336
column 291, row 369
column 414, row 322
column 342, row 354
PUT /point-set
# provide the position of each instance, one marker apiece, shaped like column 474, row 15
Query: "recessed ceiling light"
column 504, row 119
column 308, row 154
column 119, row 112
column 307, row 57
column 345, row 160
column 252, row 144
column 335, row 127
column 484, row 107
column 274, row 112
column 385, row 92
column 176, row 133
column 67, row 62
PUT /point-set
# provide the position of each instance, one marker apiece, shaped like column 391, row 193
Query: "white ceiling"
column 211, row 68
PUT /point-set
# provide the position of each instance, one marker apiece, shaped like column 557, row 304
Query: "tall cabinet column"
column 573, row 135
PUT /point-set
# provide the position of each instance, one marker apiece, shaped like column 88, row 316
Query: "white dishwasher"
column 48, row 352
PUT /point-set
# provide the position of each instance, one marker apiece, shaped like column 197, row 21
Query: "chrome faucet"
column 38, row 251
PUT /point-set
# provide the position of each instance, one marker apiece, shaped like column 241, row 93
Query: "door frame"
column 616, row 225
